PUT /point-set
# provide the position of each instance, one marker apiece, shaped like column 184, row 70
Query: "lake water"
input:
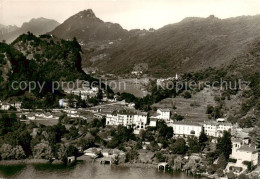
column 84, row 170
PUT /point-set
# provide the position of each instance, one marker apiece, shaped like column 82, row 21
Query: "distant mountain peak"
column 39, row 19
column 88, row 28
column 87, row 13
column 213, row 17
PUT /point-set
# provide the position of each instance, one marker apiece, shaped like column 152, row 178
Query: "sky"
column 130, row 14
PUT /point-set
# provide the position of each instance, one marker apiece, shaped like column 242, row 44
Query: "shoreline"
column 87, row 159
column 137, row 165
column 23, row 162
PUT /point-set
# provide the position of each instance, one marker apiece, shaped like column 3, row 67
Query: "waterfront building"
column 242, row 154
column 185, row 128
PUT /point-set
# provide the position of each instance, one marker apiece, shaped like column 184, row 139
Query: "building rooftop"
column 48, row 114
column 31, row 115
column 165, row 110
column 155, row 115
column 236, row 140
column 131, row 112
column 5, row 103
column 217, row 123
column 247, row 148
column 153, row 119
column 186, row 123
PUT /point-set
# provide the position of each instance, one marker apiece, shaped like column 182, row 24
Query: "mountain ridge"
column 37, row 26
column 190, row 45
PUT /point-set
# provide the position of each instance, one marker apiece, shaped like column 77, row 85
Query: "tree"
column 203, row 137
column 131, row 155
column 248, row 164
column 194, row 146
column 160, row 157
column 153, row 146
column 231, row 175
column 210, row 109
column 25, row 141
column 99, row 95
column 73, row 132
column 8, row 152
column 42, row 151
column 61, row 153
column 72, row 151
column 224, row 145
column 18, row 152
column 220, row 172
column 187, row 95
column 164, row 132
column 87, row 142
column 8, row 123
column 179, row 146
column 222, row 161
column 245, row 122
column 243, row 176
column 5, row 151
column 258, row 143
column 178, row 117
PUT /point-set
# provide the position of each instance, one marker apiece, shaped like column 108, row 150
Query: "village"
column 120, row 113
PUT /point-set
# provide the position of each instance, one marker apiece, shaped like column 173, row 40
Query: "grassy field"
column 193, row 109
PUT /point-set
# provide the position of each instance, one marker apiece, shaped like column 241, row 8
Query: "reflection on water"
column 85, row 170
column 54, row 167
column 9, row 171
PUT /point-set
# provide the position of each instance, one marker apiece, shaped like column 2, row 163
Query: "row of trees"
column 18, row 141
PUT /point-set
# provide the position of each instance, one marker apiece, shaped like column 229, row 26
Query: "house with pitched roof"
column 242, row 154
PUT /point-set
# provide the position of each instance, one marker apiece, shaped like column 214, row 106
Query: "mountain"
column 4, row 30
column 42, row 59
column 37, row 26
column 190, row 45
column 86, row 27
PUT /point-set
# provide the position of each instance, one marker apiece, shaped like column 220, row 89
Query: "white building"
column 5, row 106
column 242, row 153
column 164, row 114
column 135, row 119
column 92, row 152
column 136, row 72
column 153, row 122
column 64, row 103
column 48, row 115
column 85, row 93
column 31, row 116
column 184, row 128
column 216, row 129
column 70, row 111
column 112, row 153
column 17, row 105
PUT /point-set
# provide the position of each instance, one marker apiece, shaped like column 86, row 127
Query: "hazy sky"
column 129, row 13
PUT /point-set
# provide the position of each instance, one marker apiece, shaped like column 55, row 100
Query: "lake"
column 84, row 169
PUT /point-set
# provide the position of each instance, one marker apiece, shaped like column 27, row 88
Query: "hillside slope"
column 190, row 45
column 43, row 60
